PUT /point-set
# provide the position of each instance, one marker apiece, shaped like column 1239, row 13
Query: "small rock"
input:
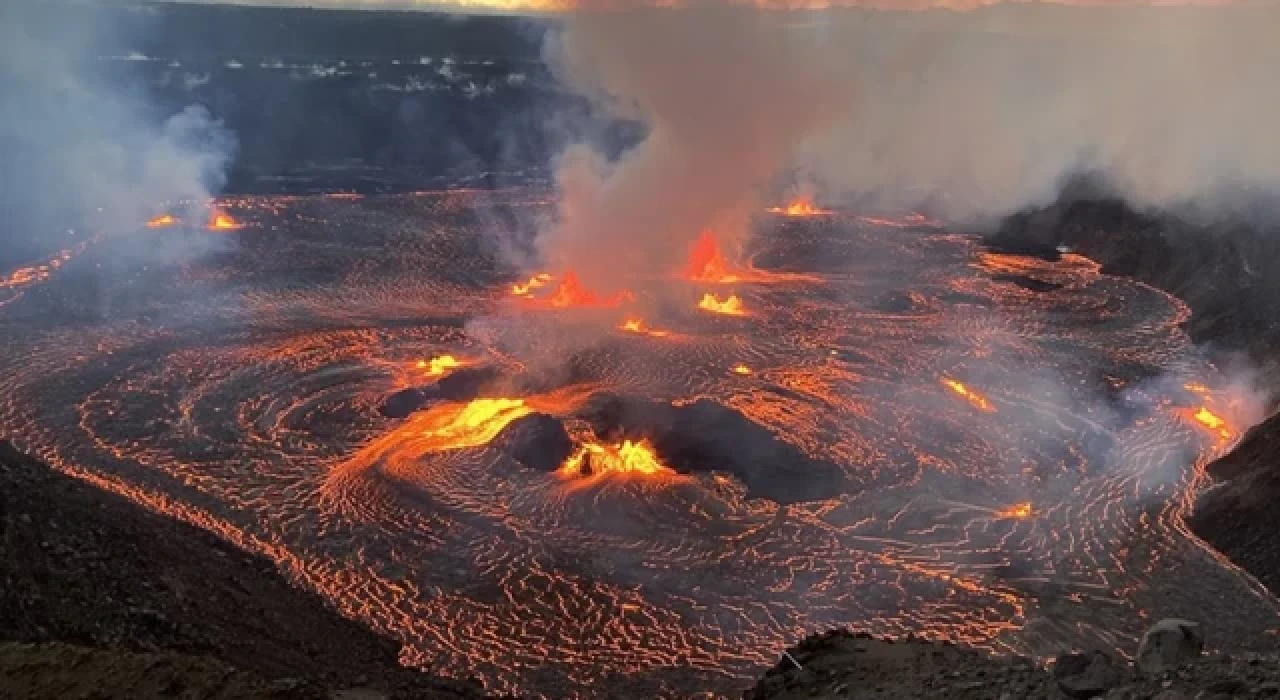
column 1083, row 676
column 1169, row 644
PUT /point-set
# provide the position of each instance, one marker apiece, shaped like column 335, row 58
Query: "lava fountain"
column 732, row 306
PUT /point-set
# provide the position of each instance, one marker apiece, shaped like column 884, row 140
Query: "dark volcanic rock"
column 537, row 441
column 460, row 385
column 465, row 384
column 1239, row 517
column 1168, row 645
column 841, row 665
column 1087, row 675
column 706, row 436
column 1205, row 263
column 87, row 567
column 894, row 302
column 1029, row 283
column 402, row 403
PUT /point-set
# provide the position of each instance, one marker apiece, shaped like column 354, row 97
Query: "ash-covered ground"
column 1007, row 447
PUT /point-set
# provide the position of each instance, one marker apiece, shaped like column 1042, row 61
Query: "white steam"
column 82, row 143
column 972, row 115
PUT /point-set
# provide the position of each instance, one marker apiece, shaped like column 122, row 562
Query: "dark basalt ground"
column 89, row 568
column 843, row 665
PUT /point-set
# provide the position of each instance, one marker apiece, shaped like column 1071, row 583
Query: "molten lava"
column 524, row 290
column 456, row 426
column 969, row 395
column 437, row 366
column 799, row 207
column 570, row 292
column 731, row 306
column 222, row 221
column 1018, row 511
column 628, row 458
column 706, row 264
column 1213, row 422
column 635, row 325
column 741, row 369
column 162, row 221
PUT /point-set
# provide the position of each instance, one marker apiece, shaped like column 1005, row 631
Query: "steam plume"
column 85, row 147
column 727, row 98
column 972, row 115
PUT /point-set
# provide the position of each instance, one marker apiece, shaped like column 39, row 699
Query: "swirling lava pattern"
column 1037, row 509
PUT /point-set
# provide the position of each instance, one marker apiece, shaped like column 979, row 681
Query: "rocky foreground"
column 101, row 598
column 847, row 666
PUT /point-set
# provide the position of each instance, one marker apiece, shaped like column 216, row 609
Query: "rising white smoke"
column 85, row 146
column 728, row 96
column 972, row 114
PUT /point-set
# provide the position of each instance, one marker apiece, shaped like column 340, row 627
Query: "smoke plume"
column 971, row 115
column 727, row 98
column 83, row 145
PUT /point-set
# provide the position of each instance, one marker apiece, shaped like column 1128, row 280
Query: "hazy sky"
column 553, row 5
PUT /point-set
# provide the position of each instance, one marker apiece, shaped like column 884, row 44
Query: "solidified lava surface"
column 911, row 441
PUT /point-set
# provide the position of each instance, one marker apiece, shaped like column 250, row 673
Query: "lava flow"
column 732, row 306
column 980, row 402
column 800, row 207
column 534, row 282
column 1016, row 511
column 1211, row 421
column 437, row 366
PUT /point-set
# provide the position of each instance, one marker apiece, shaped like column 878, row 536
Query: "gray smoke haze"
column 727, row 99
column 83, row 146
column 971, row 115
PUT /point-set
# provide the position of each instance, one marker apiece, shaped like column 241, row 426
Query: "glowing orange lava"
column 1017, row 511
column 455, row 426
column 635, row 325
column 162, row 221
column 731, row 306
column 524, row 290
column 222, row 221
column 437, row 366
column 969, row 395
column 570, row 292
column 799, row 207
column 741, row 369
column 628, row 458
column 1213, row 422
column 706, row 264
